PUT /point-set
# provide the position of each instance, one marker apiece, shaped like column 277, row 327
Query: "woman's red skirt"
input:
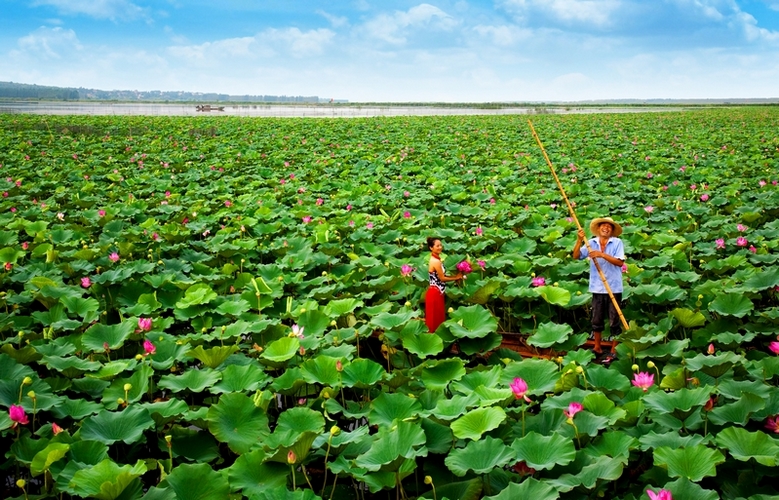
column 435, row 313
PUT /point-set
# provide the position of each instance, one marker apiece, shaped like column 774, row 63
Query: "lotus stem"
column 327, row 453
column 523, row 418
column 294, row 484
column 332, row 491
column 303, row 468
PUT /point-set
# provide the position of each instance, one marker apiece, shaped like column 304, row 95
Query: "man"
column 608, row 249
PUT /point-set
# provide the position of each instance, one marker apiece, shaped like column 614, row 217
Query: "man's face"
column 605, row 229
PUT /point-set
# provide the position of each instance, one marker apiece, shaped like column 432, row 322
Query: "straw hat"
column 597, row 222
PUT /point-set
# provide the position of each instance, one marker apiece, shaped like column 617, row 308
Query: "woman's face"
column 437, row 247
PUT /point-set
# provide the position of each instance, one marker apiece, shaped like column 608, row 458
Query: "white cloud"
column 593, row 12
column 505, row 35
column 99, row 9
column 748, row 24
column 49, row 43
column 335, row 21
column 297, row 43
column 393, row 28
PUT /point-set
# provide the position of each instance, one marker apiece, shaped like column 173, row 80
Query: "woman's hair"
column 431, row 241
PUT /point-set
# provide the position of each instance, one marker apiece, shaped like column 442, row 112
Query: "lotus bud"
column 27, row 381
column 302, row 310
column 119, row 401
column 428, row 480
column 579, row 370
column 710, row 350
column 700, row 296
column 31, row 394
column 408, row 303
column 324, row 273
column 339, row 366
column 650, row 364
column 635, row 368
column 281, row 278
column 335, row 430
column 451, row 310
column 291, row 457
column 168, row 439
column 21, row 483
column 127, row 387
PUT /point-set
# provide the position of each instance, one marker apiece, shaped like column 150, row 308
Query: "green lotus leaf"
column 196, row 445
column 602, row 468
column 139, row 382
column 214, row 356
column 479, row 456
column 693, row 463
column 47, row 456
column 294, row 422
column 476, row 378
column 489, row 396
column 88, row 452
column 544, row 452
column 422, row 343
column 437, row 376
column 762, row 281
column 714, row 365
column 198, row 482
column 100, row 335
column 196, row 295
column 281, row 350
column 321, row 370
column 598, row 404
column 739, row 412
column 606, row 379
column 554, row 295
column 279, row 452
column 472, row 322
column 684, row 488
column 731, row 304
column 541, row 375
column 615, row 444
column 688, row 318
column 112, row 369
column 77, row 409
column 549, row 334
column 391, row 443
column 464, row 490
column 282, row 493
column 237, row 378
column 339, row 307
column 390, row 407
column 670, row 440
column 475, row 423
column 449, row 409
column 106, row 480
column 86, row 308
column 734, row 389
column 70, row 366
column 744, row 445
column 314, row 323
column 483, row 294
column 236, row 421
column 362, row 373
column 439, row 436
column 109, row 427
column 233, row 307
column 529, row 488
column 481, row 345
column 682, row 400
column 388, row 321
column 251, row 475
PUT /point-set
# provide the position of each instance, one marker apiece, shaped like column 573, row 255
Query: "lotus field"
column 216, row 307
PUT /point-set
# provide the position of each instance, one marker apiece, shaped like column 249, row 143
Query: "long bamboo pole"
column 579, row 226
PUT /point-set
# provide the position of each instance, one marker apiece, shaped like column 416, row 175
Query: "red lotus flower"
column 660, row 495
column 573, row 409
column 17, row 415
column 519, row 388
column 148, row 346
column 643, row 380
column 464, row 267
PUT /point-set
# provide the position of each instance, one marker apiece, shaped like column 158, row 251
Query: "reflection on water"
column 297, row 110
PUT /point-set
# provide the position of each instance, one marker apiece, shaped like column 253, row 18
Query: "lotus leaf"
column 693, row 463
column 601, row 468
column 321, row 370
column 362, row 373
column 437, row 376
column 281, row 350
column 472, row 322
column 236, row 421
column 236, row 378
column 387, row 408
column 198, row 482
column 479, row 456
column 529, row 488
column 731, row 304
column 109, row 427
column 391, row 445
column 744, row 445
column 253, row 476
column 475, row 423
column 214, row 356
column 541, row 375
column 106, row 480
column 549, row 334
column 99, row 335
column 47, row 456
column 544, row 452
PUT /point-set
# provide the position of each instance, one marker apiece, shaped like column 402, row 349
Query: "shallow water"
column 297, row 111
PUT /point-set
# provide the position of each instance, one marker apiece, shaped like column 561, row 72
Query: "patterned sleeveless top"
column 435, row 280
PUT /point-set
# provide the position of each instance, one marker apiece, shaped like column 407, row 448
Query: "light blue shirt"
column 612, row 273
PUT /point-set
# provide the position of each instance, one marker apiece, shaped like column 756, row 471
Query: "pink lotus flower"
column 481, row 264
column 762, row 183
column 752, row 249
column 649, row 209
column 479, row 231
column 297, row 331
column 144, row 324
column 741, row 228
column 101, row 212
column 167, row 194
column 774, row 347
column 772, row 424
column 741, row 241
column 710, row 350
column 492, row 201
column 704, row 197
column 406, row 214
column 649, row 175
column 643, row 380
column 351, row 223
column 319, row 201
column 17, row 415
column 307, row 219
column 406, row 270
column 148, row 346
column 519, row 388
column 56, row 429
column 60, row 215
column 114, row 257
column 8, row 266
column 720, row 243
column 573, row 409
column 624, row 268
column 464, row 267
column 369, row 225
column 228, row 203
column 538, row 281
column 348, row 208
column 693, row 187
column 25, row 245
column 86, row 282
column 660, row 495
column 282, row 181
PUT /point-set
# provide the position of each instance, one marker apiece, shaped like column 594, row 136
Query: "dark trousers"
column 601, row 303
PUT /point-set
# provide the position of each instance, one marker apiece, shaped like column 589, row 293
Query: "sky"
column 400, row 51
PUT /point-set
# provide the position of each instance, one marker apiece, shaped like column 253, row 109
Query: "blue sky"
column 395, row 51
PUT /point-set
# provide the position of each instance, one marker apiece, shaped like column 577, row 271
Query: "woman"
column 435, row 312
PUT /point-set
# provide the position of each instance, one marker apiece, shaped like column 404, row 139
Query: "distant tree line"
column 10, row 90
